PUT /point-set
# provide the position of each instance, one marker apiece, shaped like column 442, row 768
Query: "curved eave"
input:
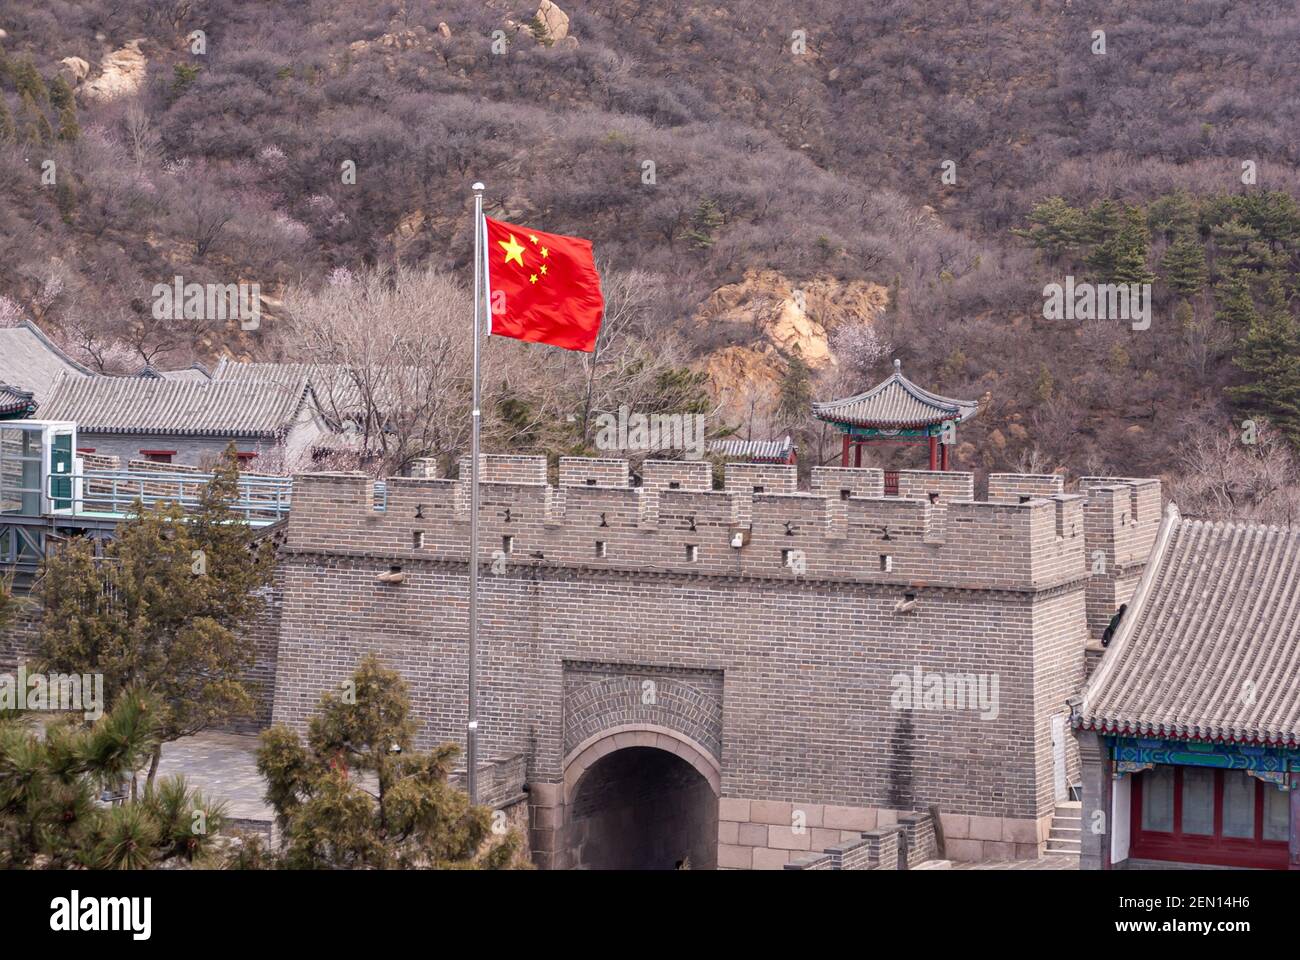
column 1187, row 732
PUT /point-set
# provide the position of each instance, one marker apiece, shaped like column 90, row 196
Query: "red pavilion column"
column 934, row 452
column 844, row 455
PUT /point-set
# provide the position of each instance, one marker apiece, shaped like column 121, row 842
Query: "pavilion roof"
column 894, row 404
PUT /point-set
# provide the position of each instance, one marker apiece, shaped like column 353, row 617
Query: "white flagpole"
column 480, row 280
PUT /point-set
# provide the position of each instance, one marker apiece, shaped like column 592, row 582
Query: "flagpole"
column 471, row 730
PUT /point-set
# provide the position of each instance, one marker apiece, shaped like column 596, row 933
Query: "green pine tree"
column 1269, row 355
column 1184, row 264
column 1055, row 227
column 8, row 131
column 1240, row 247
column 1236, row 304
column 1172, row 215
column 167, row 611
column 69, row 129
column 414, row 818
column 28, row 82
column 60, row 92
column 1122, row 256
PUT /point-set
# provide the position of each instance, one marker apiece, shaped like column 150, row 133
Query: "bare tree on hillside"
column 1224, row 478
column 392, row 352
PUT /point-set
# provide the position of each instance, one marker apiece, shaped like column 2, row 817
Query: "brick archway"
column 640, row 797
column 581, row 758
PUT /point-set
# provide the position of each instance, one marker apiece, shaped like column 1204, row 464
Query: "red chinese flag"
column 542, row 287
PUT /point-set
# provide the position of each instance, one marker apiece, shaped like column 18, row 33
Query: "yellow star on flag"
column 533, row 278
column 545, row 252
column 514, row 250
column 543, row 269
column 532, row 237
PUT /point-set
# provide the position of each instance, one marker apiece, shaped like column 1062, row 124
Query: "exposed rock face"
column 775, row 317
column 122, row 73
column 75, row 69
column 554, row 21
column 444, row 30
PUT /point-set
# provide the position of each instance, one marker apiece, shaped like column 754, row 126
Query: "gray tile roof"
column 896, row 403
column 770, row 451
column 29, row 360
column 1209, row 648
column 15, row 403
column 195, row 371
column 332, row 383
column 251, row 408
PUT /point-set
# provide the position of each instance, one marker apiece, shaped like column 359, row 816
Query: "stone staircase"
column 1067, row 829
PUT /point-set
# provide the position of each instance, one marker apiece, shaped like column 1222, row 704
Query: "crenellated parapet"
column 760, row 525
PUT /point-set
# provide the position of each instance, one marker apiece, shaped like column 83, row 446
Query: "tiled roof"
column 195, row 371
column 16, row 403
column 897, row 403
column 773, row 451
column 332, row 383
column 29, row 360
column 1209, row 648
column 252, row 408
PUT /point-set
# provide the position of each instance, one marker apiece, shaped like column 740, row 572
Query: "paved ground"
column 224, row 767
column 1042, row 863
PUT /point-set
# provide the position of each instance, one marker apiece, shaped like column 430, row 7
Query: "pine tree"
column 1269, row 354
column 50, row 781
column 1054, row 227
column 28, row 82
column 1236, row 305
column 1184, row 265
column 1240, row 247
column 1122, row 256
column 69, row 129
column 34, row 127
column 795, row 402
column 413, row 819
column 1172, row 215
column 60, row 93
column 168, row 610
column 8, row 132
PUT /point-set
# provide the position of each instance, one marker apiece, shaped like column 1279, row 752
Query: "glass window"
column 1238, row 804
column 1198, row 801
column 1158, row 799
column 1277, row 815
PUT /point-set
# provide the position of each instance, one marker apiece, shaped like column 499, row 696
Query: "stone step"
column 1065, row 830
column 934, row 865
column 1074, row 843
column 1075, row 805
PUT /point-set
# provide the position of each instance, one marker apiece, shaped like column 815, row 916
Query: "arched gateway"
column 641, row 797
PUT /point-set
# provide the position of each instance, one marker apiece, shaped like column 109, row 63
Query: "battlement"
column 760, row 525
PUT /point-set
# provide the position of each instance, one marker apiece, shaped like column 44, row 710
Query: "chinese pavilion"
column 896, row 411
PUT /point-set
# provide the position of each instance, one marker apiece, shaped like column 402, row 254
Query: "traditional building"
column 16, row 404
column 30, row 361
column 1189, row 728
column 896, row 411
column 188, row 421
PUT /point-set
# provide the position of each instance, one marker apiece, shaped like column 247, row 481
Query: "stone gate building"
column 751, row 674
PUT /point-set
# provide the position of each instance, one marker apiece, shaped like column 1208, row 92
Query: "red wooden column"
column 943, row 456
column 857, row 456
column 934, row 452
column 844, row 455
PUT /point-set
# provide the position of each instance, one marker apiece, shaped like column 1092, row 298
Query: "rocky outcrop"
column 773, row 318
column 122, row 74
column 554, row 21
column 75, row 69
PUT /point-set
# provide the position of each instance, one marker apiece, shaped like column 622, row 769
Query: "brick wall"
column 1010, row 487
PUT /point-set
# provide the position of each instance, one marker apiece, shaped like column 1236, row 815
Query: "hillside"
column 797, row 192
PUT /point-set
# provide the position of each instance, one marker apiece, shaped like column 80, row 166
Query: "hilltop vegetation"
column 826, row 165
